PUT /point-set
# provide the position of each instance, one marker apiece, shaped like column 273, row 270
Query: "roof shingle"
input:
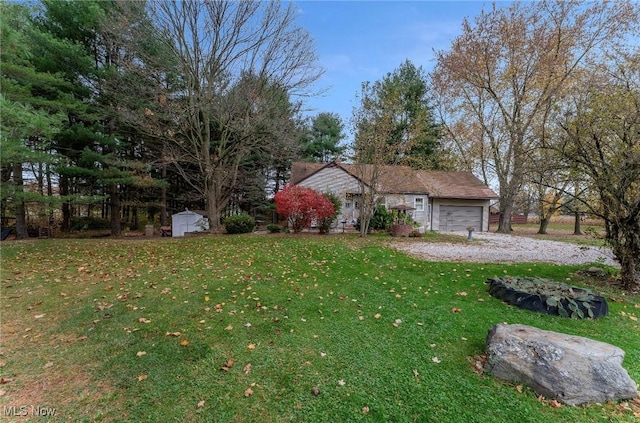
column 405, row 180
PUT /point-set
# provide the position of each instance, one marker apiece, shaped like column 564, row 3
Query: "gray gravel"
column 490, row 247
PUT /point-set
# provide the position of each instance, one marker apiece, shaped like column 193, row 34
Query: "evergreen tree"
column 322, row 139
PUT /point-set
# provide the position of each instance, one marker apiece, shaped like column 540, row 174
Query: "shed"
column 188, row 221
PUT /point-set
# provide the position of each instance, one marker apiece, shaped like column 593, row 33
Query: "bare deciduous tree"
column 508, row 69
column 230, row 56
column 602, row 142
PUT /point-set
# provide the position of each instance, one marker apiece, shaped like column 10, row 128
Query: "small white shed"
column 188, row 221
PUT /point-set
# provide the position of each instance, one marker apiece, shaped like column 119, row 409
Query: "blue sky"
column 359, row 41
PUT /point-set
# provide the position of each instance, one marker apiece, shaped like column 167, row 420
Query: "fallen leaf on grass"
column 175, row 334
column 229, row 328
column 462, row 294
column 415, row 373
column 227, row 365
column 456, row 310
column 144, row 320
column 341, row 382
column 365, row 409
column 378, row 315
column 519, row 388
column 478, row 362
column 248, row 392
column 184, row 343
column 251, row 346
column 436, row 360
column 555, row 404
column 247, row 368
column 315, row 391
column 40, row 316
column 200, row 404
column 4, row 380
column 49, row 364
column 142, row 377
column 141, row 353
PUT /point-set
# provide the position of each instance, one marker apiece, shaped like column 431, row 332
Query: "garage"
column 459, row 218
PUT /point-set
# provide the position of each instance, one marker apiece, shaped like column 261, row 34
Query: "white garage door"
column 459, row 218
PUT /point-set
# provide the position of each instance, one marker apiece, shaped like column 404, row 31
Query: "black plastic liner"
column 538, row 302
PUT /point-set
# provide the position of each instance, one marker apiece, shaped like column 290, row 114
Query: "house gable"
column 329, row 177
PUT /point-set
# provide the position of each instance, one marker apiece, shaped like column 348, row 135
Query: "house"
column 437, row 200
column 188, row 221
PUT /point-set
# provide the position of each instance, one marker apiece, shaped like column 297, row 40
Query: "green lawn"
column 140, row 330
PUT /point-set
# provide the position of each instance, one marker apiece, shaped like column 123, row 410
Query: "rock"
column 570, row 369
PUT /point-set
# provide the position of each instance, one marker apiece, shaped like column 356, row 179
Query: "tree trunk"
column 164, row 220
column 630, row 273
column 50, row 194
column 577, row 230
column 366, row 210
column 19, row 208
column 5, row 177
column 504, row 223
column 625, row 241
column 66, row 205
column 544, row 223
column 213, row 212
column 114, row 201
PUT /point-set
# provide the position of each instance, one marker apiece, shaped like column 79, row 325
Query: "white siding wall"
column 338, row 182
column 332, row 180
column 420, row 216
column 437, row 202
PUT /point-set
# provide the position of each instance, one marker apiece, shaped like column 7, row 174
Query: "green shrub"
column 325, row 224
column 273, row 228
column 380, row 221
column 239, row 224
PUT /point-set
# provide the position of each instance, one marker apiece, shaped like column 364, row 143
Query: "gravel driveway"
column 490, row 247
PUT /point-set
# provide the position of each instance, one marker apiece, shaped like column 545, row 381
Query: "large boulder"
column 571, row 369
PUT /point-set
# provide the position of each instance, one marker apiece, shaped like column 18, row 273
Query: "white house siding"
column 338, row 182
column 438, row 202
column 332, row 180
column 422, row 217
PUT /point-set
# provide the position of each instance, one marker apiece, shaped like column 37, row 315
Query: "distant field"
column 561, row 229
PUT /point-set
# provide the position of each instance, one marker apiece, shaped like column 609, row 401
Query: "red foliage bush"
column 302, row 206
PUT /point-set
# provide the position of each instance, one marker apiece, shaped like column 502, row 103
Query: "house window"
column 348, row 204
column 419, row 204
